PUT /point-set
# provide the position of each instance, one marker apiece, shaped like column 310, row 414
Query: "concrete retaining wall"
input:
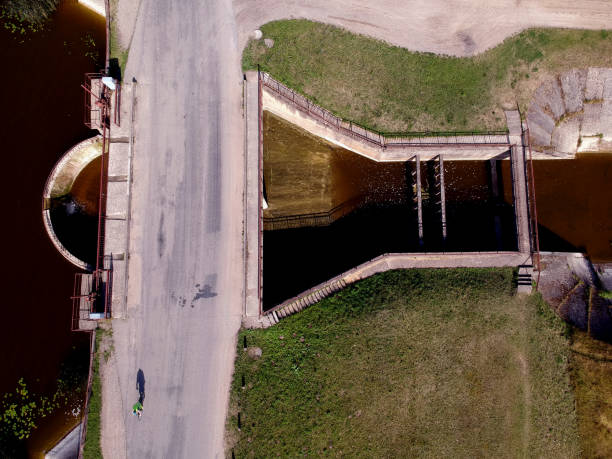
column 387, row 262
column 68, row 168
column 277, row 105
column 95, row 5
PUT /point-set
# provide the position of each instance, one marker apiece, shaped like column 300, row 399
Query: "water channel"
column 42, row 118
column 305, row 175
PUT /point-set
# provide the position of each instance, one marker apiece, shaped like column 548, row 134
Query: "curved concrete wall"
column 68, row 168
column 95, row 5
column 60, row 182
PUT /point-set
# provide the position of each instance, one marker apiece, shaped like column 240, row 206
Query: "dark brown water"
column 42, row 117
column 75, row 216
column 574, row 199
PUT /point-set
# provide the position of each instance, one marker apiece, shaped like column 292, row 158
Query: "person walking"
column 137, row 409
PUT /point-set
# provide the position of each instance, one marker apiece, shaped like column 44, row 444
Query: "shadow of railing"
column 313, row 219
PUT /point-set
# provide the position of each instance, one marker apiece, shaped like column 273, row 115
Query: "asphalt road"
column 186, row 269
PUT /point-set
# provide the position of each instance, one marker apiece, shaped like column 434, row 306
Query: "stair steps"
column 525, row 279
column 304, row 301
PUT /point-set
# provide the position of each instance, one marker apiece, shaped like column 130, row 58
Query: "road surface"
column 184, row 294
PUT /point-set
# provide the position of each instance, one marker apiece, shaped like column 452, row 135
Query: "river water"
column 304, row 174
column 42, row 117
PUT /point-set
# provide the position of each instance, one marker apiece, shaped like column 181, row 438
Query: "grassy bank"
column 116, row 50
column 435, row 363
column 27, row 11
column 591, row 370
column 392, row 89
column 93, row 448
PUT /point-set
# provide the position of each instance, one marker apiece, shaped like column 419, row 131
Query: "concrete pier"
column 519, row 181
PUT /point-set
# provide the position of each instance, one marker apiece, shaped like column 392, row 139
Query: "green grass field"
column 591, row 371
column 427, row 363
column 392, row 89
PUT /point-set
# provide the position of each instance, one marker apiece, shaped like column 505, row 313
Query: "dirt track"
column 458, row 27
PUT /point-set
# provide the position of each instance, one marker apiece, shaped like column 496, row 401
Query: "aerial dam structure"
column 262, row 92
column 578, row 100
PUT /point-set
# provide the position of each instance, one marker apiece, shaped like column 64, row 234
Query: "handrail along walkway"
column 458, row 138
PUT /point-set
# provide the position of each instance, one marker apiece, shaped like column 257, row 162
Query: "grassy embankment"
column 116, row 50
column 436, row 363
column 93, row 448
column 591, row 371
column 392, row 89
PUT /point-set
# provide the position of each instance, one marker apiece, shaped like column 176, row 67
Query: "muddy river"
column 42, row 118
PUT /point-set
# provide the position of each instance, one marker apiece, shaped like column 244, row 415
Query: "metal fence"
column 313, row 219
column 92, row 115
column 456, row 138
column 91, row 294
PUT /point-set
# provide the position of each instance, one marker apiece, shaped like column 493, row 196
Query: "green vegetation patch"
column 591, row 371
column 117, row 51
column 93, row 448
column 436, row 363
column 26, row 12
column 392, row 89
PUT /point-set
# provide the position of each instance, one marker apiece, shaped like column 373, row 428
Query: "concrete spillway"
column 60, row 183
column 412, row 151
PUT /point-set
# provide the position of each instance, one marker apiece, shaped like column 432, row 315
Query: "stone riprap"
column 571, row 285
column 572, row 113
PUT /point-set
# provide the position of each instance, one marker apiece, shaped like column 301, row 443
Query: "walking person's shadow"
column 140, row 385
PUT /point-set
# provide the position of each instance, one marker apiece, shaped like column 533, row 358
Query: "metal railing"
column 91, row 294
column 379, row 139
column 92, row 117
column 533, row 208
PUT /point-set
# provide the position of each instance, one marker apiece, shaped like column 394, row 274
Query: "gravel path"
column 458, row 27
